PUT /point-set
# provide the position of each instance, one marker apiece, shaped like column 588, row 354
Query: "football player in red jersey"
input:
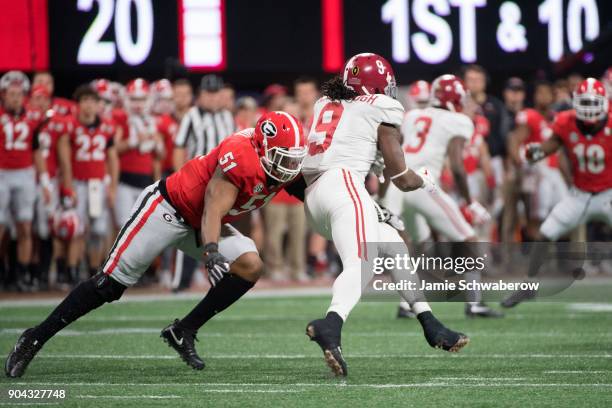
column 187, row 211
column 139, row 145
column 90, row 169
column 585, row 133
column 61, row 106
column 541, row 185
column 47, row 199
column 162, row 107
column 19, row 155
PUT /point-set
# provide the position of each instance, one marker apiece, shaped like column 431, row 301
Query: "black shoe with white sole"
column 439, row 336
column 518, row 297
column 481, row 310
column 183, row 341
column 22, row 354
column 328, row 338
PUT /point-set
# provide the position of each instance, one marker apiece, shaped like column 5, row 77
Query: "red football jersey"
column 133, row 160
column 167, row 127
column 238, row 159
column 590, row 155
column 539, row 130
column 17, row 138
column 89, row 145
column 471, row 152
column 64, row 107
column 48, row 136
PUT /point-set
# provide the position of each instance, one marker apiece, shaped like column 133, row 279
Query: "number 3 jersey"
column 344, row 133
column 427, row 133
column 88, row 144
column 237, row 157
column 590, row 155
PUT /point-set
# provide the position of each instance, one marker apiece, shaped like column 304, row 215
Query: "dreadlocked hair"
column 335, row 90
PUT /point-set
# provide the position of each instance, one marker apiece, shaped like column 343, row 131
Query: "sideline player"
column 357, row 116
column 430, row 136
column 90, row 168
column 585, row 134
column 20, row 162
column 240, row 175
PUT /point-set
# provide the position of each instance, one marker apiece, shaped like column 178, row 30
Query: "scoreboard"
column 309, row 36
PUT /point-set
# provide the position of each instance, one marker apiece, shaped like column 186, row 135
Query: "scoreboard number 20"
column 133, row 51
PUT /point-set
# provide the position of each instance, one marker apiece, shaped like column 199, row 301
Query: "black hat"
column 515, row 84
column 211, row 83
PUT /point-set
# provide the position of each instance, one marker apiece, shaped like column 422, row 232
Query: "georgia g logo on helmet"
column 268, row 128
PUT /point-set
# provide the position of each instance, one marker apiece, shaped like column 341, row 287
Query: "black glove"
column 385, row 215
column 216, row 264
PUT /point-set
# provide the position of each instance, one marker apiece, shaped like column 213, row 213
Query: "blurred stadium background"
column 236, row 59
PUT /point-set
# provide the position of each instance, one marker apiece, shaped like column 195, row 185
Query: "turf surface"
column 541, row 354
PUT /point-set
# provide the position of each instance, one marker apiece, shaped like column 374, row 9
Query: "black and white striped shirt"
column 203, row 130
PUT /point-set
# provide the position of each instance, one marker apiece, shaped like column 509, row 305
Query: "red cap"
column 41, row 90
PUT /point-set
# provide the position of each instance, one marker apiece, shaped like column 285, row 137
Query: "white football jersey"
column 427, row 133
column 345, row 134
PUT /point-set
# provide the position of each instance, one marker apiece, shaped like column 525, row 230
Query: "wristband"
column 399, row 174
column 210, row 248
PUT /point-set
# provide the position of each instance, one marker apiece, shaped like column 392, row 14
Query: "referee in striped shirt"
column 204, row 125
column 202, row 128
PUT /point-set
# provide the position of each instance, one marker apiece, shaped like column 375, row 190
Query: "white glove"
column 429, row 184
column 378, row 166
column 534, row 152
column 480, row 215
column 385, row 215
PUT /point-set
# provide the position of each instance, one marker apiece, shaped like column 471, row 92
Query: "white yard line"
column 576, row 372
column 247, row 386
column 204, row 335
column 300, row 356
column 127, row 396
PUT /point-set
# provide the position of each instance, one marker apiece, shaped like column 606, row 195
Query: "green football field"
column 541, row 354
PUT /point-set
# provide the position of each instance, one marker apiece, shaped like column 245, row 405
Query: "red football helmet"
column 161, row 89
column 419, row 94
column 66, row 225
column 281, row 143
column 590, row 101
column 449, row 92
column 368, row 74
column 137, row 88
column 103, row 88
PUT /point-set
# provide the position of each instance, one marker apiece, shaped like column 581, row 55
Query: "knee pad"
column 107, row 288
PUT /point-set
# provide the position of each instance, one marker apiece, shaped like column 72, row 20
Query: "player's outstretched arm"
column 537, row 151
column 395, row 166
column 517, row 138
column 455, row 157
column 220, row 197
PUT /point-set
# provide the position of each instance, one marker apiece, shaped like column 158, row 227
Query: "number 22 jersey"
column 344, row 134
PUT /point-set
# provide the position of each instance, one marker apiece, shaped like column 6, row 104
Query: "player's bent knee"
column 107, row 288
column 248, row 266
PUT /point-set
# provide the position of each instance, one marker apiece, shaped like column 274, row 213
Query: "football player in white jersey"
column 430, row 136
column 357, row 116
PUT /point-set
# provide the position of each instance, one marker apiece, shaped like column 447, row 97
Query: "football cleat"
column 517, row 297
column 481, row 310
column 22, row 354
column 439, row 336
column 320, row 331
column 182, row 341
